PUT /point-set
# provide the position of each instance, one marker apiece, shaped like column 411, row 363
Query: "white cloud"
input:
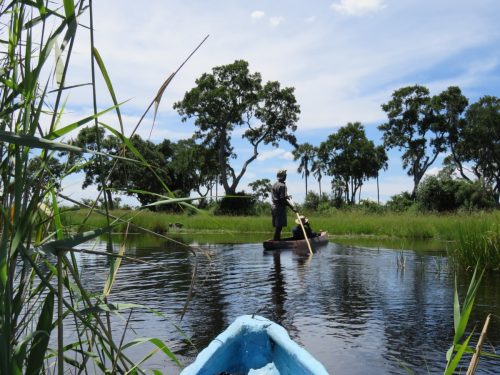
column 357, row 7
column 257, row 14
column 432, row 171
column 276, row 21
column 275, row 153
column 342, row 68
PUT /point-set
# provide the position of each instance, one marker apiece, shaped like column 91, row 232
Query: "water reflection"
column 278, row 291
column 354, row 309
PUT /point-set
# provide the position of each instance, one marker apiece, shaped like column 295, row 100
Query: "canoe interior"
column 253, row 344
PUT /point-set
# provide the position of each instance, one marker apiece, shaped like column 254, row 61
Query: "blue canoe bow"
column 254, row 345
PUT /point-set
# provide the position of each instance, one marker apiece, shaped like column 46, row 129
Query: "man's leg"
column 277, row 233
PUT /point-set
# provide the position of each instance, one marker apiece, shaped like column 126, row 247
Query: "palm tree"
column 318, row 168
column 306, row 153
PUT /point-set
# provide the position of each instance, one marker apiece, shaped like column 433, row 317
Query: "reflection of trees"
column 163, row 283
column 205, row 317
column 278, row 292
column 358, row 298
column 344, row 294
column 416, row 314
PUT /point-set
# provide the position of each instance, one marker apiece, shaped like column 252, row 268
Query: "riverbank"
column 469, row 238
column 342, row 224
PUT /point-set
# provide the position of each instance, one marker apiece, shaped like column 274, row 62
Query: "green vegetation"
column 424, row 127
column 469, row 238
column 40, row 287
column 231, row 98
column 342, row 223
column 476, row 246
column 350, row 158
column 461, row 318
column 41, row 292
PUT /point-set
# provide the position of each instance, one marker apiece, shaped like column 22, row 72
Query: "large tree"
column 261, row 188
column 195, row 166
column 97, row 167
column 318, row 169
column 306, row 154
column 160, row 170
column 230, row 98
column 351, row 158
column 480, row 144
column 449, row 109
column 411, row 130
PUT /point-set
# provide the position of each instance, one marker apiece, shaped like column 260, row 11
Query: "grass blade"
column 158, row 343
column 54, row 246
column 104, row 72
column 41, row 340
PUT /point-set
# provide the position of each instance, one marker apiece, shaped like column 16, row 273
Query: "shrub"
column 315, row 202
column 371, row 207
column 474, row 196
column 237, row 204
column 437, row 194
column 311, row 201
column 263, row 208
column 443, row 193
column 400, row 202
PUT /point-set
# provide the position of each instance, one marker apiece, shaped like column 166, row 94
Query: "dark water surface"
column 357, row 310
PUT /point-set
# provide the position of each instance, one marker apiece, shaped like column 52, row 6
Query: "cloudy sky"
column 344, row 58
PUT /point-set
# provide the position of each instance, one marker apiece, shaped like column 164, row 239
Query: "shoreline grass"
column 468, row 238
column 346, row 224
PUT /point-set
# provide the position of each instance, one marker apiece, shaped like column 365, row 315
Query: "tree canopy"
column 411, row 129
column 351, row 159
column 449, row 109
column 231, row 97
column 167, row 168
column 480, row 143
column 261, row 188
column 306, row 153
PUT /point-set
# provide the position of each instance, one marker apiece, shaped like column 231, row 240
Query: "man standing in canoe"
column 280, row 200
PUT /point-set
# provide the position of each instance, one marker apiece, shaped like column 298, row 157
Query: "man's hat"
column 281, row 173
column 304, row 220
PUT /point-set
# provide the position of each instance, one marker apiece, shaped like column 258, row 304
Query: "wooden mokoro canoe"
column 290, row 243
column 254, row 345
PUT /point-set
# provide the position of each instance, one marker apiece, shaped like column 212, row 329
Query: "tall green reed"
column 477, row 247
column 40, row 286
column 461, row 316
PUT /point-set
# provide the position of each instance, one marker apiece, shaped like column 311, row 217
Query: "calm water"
column 352, row 308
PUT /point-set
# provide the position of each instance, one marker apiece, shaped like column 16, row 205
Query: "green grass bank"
column 469, row 238
column 343, row 223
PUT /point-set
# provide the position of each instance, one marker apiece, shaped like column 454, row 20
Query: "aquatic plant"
column 477, row 247
column 461, row 314
column 461, row 318
column 40, row 285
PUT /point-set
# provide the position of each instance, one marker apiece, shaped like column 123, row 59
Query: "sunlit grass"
column 469, row 238
column 477, row 246
column 405, row 226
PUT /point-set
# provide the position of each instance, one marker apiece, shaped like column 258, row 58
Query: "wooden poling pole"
column 305, row 234
column 475, row 358
column 301, row 225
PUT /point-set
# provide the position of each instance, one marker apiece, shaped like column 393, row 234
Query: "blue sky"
column 344, row 58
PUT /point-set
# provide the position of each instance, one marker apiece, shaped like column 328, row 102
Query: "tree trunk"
column 306, row 184
column 378, row 192
column 110, row 199
column 306, row 172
